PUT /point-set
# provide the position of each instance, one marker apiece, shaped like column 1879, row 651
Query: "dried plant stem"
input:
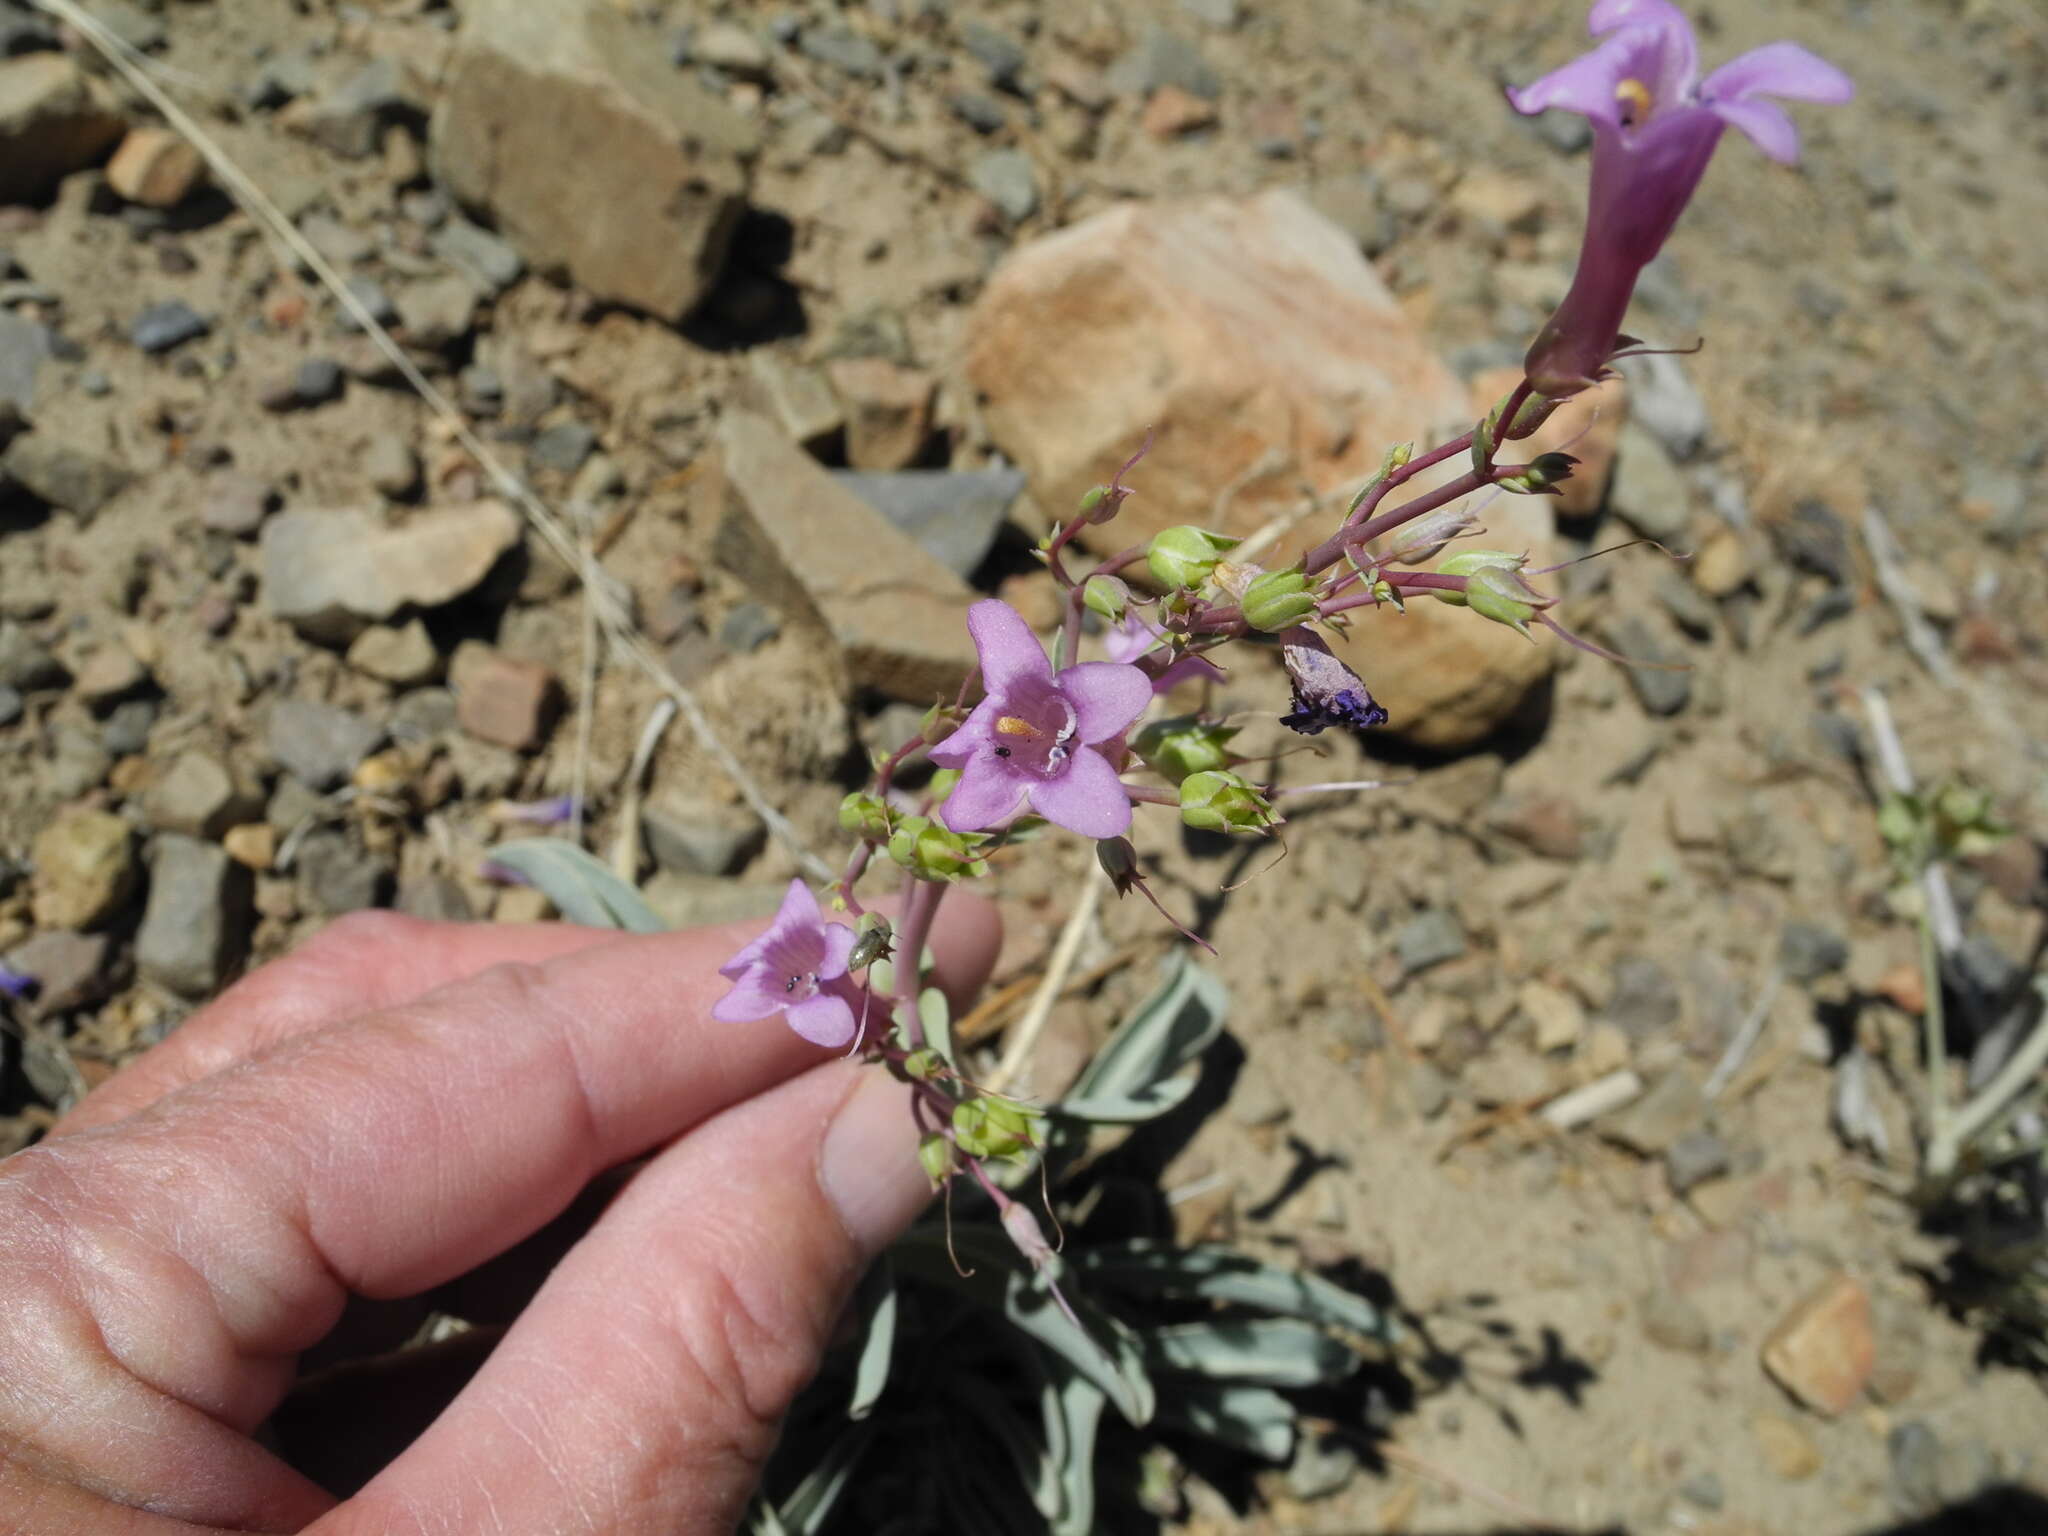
column 626, row 849
column 1946, row 1148
column 1745, row 1038
column 610, row 612
column 1024, row 1039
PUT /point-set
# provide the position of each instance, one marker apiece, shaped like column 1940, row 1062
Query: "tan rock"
column 797, row 396
column 1558, row 1018
column 502, row 700
column 403, row 655
column 1264, row 349
column 1787, row 1449
column 888, row 411
column 333, row 572
column 253, row 843
column 1172, row 112
column 521, row 904
column 155, row 167
column 594, row 156
column 54, row 119
column 1588, row 427
column 1721, row 568
column 85, row 869
column 806, row 545
column 1824, row 1349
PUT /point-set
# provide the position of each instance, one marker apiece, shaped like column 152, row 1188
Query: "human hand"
column 390, row 1107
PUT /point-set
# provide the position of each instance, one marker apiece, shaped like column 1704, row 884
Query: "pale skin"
column 386, row 1110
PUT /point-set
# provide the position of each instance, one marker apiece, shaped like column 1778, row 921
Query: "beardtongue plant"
column 1060, row 741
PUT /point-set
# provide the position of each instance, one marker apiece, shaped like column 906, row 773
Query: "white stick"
column 1024, row 1038
column 1602, row 1096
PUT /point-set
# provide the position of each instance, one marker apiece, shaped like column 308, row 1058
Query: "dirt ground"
column 1873, row 325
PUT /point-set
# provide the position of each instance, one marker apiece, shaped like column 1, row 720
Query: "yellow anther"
column 1010, row 725
column 1634, row 97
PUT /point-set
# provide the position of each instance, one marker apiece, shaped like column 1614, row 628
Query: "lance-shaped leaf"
column 1256, row 1420
column 1132, row 1077
column 1265, row 1351
column 582, row 887
column 1216, row 1273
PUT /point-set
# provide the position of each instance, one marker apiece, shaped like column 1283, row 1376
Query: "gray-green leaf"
column 1132, row 1077
column 1217, row 1273
column 1257, row 1420
column 1265, row 1351
column 583, row 888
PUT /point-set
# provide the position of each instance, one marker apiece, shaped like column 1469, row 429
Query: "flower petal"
column 1185, row 668
column 1105, row 696
column 753, row 996
column 975, row 735
column 1778, row 69
column 1084, row 797
column 839, row 941
column 1586, row 85
column 825, row 1019
column 987, row 793
column 1766, row 124
column 1673, row 56
column 1009, row 651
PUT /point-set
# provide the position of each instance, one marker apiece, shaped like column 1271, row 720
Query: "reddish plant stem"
column 1413, row 581
column 920, row 904
column 1151, row 795
column 1329, row 552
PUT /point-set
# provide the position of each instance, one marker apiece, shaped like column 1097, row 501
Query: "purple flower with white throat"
column 1326, row 692
column 797, row 969
column 1655, row 127
column 1032, row 739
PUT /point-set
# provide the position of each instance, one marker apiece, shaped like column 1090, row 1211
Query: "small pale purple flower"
column 1032, row 740
column 797, row 969
column 551, row 812
column 1326, row 692
column 1655, row 127
column 1133, row 640
column 16, row 984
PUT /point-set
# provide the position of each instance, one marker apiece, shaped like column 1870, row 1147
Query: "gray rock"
column 532, row 84
column 392, row 467
column 1221, row 14
column 195, row 929
column 435, row 898
column 1814, row 539
column 1661, row 397
column 425, row 714
column 1660, row 1119
column 132, row 24
column 371, row 295
column 491, row 263
column 995, row 50
column 335, row 876
column 1807, row 951
column 403, row 656
column 71, row 970
column 1704, row 1490
column 236, row 504
column 162, row 327
column 24, row 347
column 341, row 243
column 952, row 514
column 1354, row 202
column 1649, row 492
column 1428, row 1090
column 76, row 479
column 318, row 381
column 690, row 835
column 10, row 705
column 1429, row 938
column 1644, row 999
column 844, row 50
column 690, row 901
column 320, row 744
column 127, row 728
column 1697, row 1156
column 1658, row 688
column 333, row 573
column 1006, row 178
column 350, row 118
column 198, row 797
column 1691, row 608
column 291, row 804
column 799, row 397
column 982, row 113
column 1164, row 58
column 1915, row 1454
column 25, row 663
column 747, row 628
column 564, row 447
column 734, row 49
column 77, row 763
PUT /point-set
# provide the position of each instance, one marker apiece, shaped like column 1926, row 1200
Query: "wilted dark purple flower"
column 797, row 969
column 1326, row 692
column 1033, row 738
column 1655, row 126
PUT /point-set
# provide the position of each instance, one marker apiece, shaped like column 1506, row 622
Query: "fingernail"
column 868, row 1166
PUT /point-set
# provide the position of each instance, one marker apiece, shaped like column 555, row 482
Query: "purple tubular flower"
column 797, row 969
column 1132, row 641
column 1032, row 739
column 1655, row 127
column 16, row 984
column 1326, row 692
column 551, row 812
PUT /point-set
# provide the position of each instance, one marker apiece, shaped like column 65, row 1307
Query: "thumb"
column 642, row 1389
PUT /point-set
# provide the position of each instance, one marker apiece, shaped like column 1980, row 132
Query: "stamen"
column 1010, row 725
column 1635, row 100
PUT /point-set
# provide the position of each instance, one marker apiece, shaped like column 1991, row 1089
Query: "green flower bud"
column 1091, row 500
column 938, row 723
column 864, row 815
column 1107, row 596
column 1465, row 562
column 1397, row 458
column 1119, row 861
column 1541, row 476
column 1184, row 745
column 1020, row 1122
column 1184, row 556
column 935, row 1154
column 933, row 852
column 1488, row 595
column 922, row 1066
column 989, row 1127
column 1224, row 802
column 1278, row 600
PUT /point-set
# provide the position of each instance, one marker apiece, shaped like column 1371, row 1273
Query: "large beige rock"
column 807, row 545
column 333, row 572
column 565, row 121
column 54, row 119
column 1266, row 353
